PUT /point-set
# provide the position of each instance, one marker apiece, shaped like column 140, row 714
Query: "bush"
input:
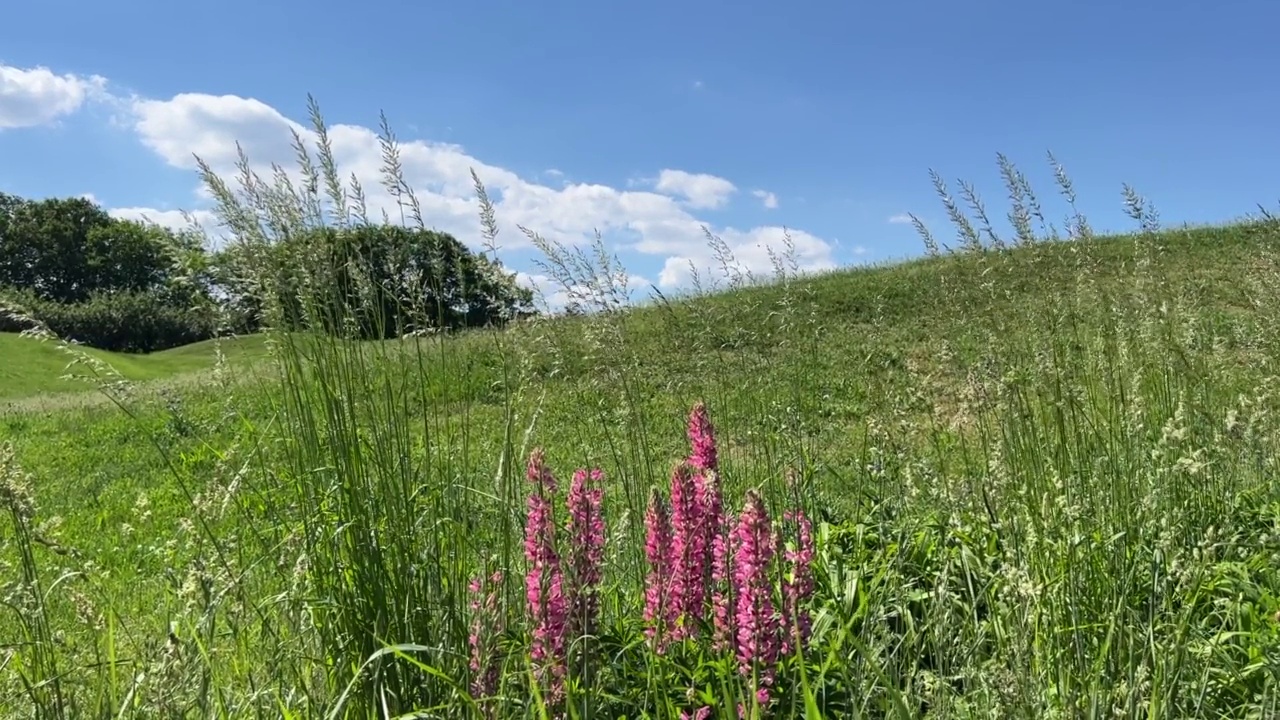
column 121, row 321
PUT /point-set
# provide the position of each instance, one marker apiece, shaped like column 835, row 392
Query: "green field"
column 1043, row 484
column 33, row 368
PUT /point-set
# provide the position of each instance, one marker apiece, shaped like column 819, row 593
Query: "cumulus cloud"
column 659, row 221
column 557, row 297
column 700, row 191
column 37, row 96
column 900, row 219
column 752, row 251
column 172, row 219
column 768, row 199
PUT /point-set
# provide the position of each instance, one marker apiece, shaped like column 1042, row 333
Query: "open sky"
column 648, row 121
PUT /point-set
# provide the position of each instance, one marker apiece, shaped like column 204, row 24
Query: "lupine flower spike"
column 484, row 628
column 689, row 550
column 544, row 583
column 797, row 589
column 716, row 542
column 657, row 551
column 759, row 637
column 586, row 550
column 718, row 528
column 702, row 438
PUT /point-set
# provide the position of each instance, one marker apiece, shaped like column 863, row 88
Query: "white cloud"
column 700, row 190
column 750, row 252
column 172, row 219
column 900, row 219
column 195, row 124
column 557, row 297
column 768, row 199
column 652, row 222
column 34, row 97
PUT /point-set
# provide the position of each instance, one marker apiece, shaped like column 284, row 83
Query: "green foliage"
column 1044, row 475
column 107, row 283
column 374, row 281
column 35, row 372
column 399, row 280
column 123, row 321
column 66, row 249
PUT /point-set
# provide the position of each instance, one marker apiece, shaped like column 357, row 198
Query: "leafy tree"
column 107, row 282
column 66, row 249
column 119, row 320
column 76, row 267
column 386, row 279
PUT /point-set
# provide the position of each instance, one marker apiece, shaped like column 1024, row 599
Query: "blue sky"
column 649, row 120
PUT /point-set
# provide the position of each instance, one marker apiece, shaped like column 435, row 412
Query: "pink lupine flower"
column 759, row 630
column 586, row 550
column 538, row 474
column 702, row 713
column 484, row 627
column 799, row 587
column 711, row 520
column 723, row 596
column 544, row 583
column 689, row 553
column 657, row 551
column 702, row 438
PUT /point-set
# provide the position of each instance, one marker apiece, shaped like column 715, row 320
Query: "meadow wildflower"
column 759, row 638
column 657, row 551
column 688, row 551
column 702, row 438
column 586, row 550
column 544, row 583
column 723, row 596
column 712, row 530
column 484, row 629
column 797, row 588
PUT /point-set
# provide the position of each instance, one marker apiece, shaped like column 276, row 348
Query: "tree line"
column 129, row 286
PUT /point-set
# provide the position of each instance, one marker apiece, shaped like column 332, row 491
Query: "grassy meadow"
column 1040, row 474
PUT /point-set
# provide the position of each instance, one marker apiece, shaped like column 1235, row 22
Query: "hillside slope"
column 912, row 302
column 30, row 367
column 1007, row 445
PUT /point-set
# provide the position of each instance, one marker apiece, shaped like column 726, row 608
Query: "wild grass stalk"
column 999, row 483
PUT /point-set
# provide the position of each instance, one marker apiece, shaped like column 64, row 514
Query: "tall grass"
column 1059, row 508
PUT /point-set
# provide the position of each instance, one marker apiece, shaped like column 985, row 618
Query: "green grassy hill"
column 31, row 367
column 1044, row 483
column 920, row 300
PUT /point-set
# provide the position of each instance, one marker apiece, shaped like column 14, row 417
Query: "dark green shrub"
column 121, row 321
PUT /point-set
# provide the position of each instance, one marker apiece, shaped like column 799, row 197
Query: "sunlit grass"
column 1042, row 477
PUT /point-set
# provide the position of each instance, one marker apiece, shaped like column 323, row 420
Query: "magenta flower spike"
column 657, row 550
column 712, row 525
column 759, row 637
column 702, row 439
column 799, row 587
column 690, row 553
column 723, row 594
column 544, row 582
column 484, row 628
column 586, row 550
